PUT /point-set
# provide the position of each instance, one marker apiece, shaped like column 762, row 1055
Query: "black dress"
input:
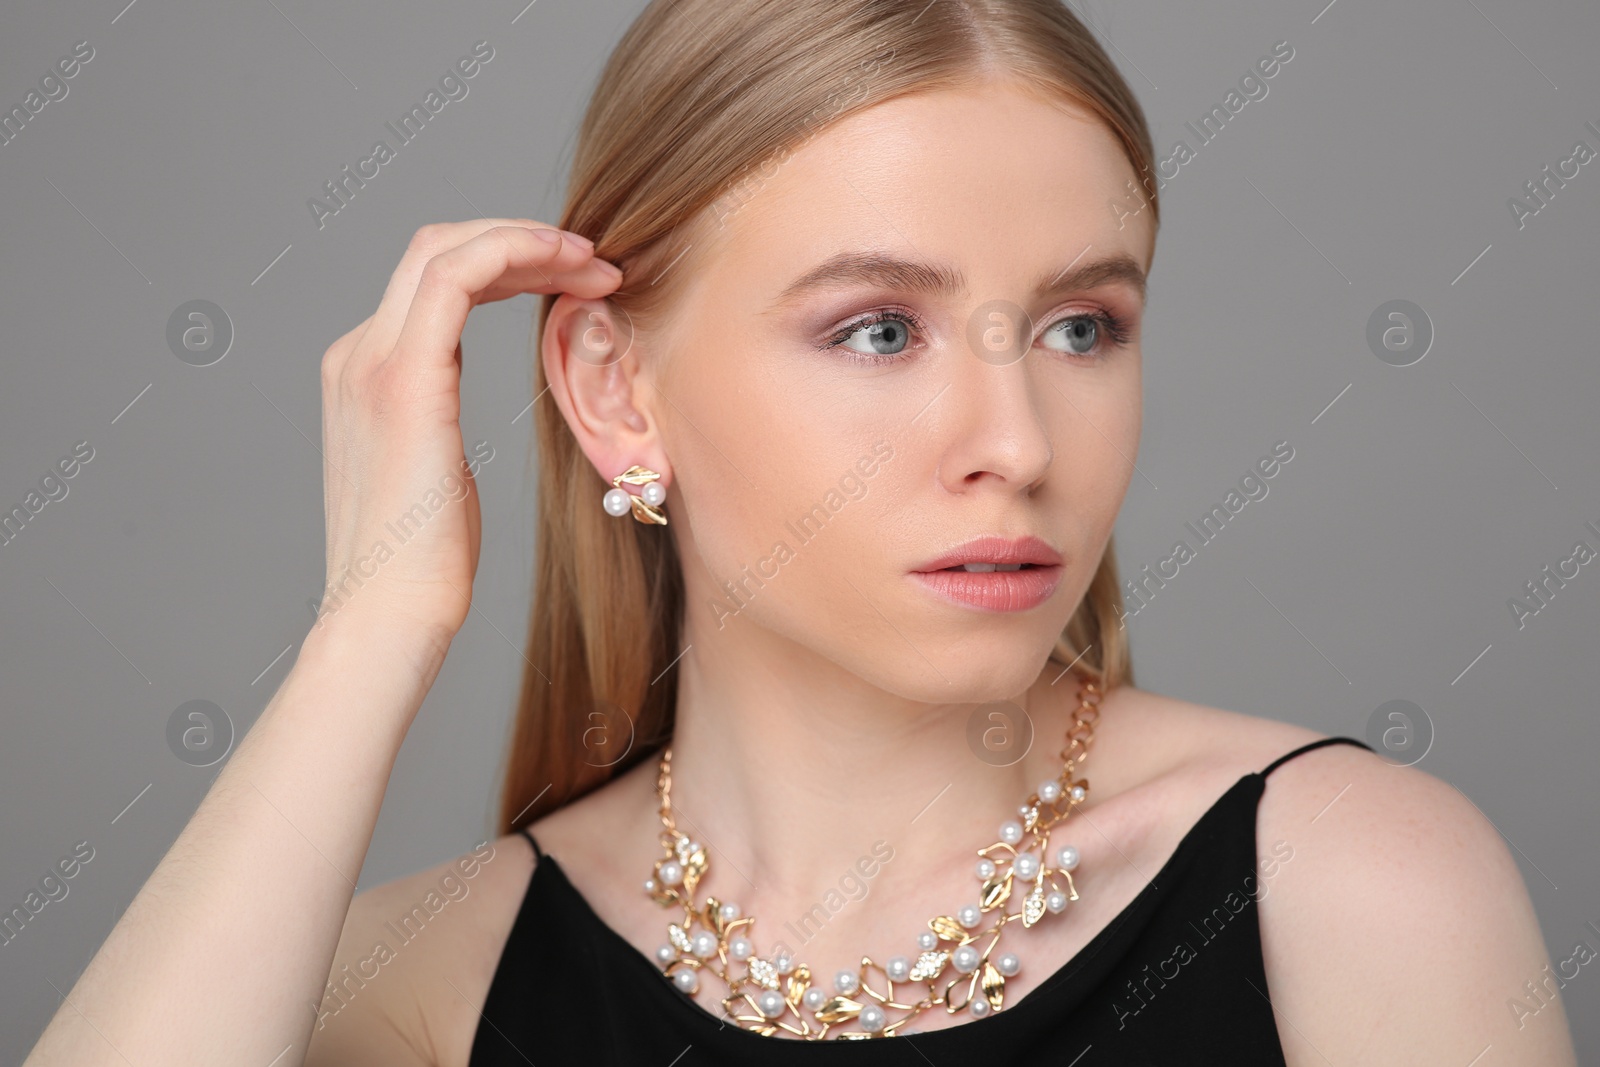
column 1176, row 978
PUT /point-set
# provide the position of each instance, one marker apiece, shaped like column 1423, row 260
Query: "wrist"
column 388, row 638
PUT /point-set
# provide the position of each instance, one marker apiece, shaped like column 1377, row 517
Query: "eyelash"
column 1110, row 325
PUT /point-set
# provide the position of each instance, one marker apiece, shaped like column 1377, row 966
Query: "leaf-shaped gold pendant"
column 838, row 1010
column 799, row 981
column 693, row 868
column 637, row 475
column 994, row 984
column 995, row 891
column 1033, row 905
column 646, row 512
column 947, row 928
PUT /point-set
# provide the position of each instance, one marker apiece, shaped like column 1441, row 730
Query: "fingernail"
column 548, row 236
column 581, row 240
column 612, row 269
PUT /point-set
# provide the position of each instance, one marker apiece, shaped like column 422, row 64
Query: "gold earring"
column 646, row 507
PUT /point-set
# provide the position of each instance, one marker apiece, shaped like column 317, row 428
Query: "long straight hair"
column 699, row 102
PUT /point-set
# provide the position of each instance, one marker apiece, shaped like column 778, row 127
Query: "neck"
column 799, row 777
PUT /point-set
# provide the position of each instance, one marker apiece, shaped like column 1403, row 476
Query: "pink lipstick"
column 994, row 573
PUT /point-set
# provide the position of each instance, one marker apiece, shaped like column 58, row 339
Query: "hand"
column 403, row 522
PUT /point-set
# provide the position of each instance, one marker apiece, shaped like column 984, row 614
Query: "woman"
column 828, row 474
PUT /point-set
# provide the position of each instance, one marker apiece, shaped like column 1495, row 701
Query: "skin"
column 830, row 711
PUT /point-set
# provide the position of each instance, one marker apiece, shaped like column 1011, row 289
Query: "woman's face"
column 921, row 329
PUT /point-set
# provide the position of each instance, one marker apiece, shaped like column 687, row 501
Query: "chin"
column 968, row 670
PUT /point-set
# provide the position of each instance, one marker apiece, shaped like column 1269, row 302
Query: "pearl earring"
column 646, row 507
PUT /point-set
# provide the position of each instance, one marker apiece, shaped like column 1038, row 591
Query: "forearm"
column 223, row 955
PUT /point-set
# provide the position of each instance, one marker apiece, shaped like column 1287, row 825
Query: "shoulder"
column 1394, row 901
column 1395, row 924
column 415, row 959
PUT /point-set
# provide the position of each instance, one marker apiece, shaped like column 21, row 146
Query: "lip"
column 995, row 591
column 995, row 550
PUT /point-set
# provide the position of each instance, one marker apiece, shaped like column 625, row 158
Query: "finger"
column 452, row 282
column 592, row 280
column 334, row 358
column 427, row 242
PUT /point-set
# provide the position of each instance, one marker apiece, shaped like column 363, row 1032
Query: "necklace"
column 776, row 992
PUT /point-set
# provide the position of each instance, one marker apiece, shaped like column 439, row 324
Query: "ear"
column 597, row 378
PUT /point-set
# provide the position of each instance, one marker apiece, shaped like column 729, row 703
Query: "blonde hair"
column 696, row 105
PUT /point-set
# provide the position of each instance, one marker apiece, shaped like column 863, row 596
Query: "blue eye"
column 1081, row 334
column 883, row 337
column 880, row 337
column 1078, row 334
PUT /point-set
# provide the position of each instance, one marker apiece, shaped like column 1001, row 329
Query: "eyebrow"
column 936, row 279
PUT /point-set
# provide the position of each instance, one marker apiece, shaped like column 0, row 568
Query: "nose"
column 994, row 427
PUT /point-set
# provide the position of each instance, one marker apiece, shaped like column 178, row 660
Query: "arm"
column 224, row 954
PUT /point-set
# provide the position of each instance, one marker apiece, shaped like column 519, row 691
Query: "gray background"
column 1378, row 167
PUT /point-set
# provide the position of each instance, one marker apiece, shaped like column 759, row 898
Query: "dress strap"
column 538, row 853
column 1286, row 757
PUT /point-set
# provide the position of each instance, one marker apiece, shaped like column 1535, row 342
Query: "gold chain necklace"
column 777, row 992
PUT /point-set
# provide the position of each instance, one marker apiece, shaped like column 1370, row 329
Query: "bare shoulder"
column 1395, row 924
column 415, row 959
column 1396, row 927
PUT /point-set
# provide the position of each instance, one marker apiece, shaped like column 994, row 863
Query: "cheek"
column 789, row 501
column 810, row 513
column 1096, row 442
column 739, row 454
column 1101, row 426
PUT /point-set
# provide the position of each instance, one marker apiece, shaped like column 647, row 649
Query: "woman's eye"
column 885, row 337
column 1078, row 335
